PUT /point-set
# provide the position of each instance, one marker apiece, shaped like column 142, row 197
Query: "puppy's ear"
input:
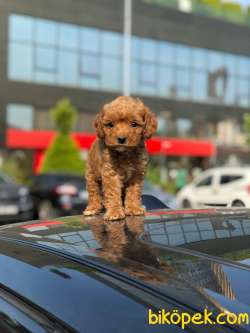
column 99, row 125
column 150, row 126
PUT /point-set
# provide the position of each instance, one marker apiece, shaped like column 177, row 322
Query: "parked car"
column 151, row 189
column 79, row 274
column 15, row 201
column 221, row 187
column 58, row 194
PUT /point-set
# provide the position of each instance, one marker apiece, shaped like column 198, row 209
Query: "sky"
column 243, row 2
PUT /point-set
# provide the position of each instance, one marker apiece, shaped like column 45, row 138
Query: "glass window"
column 90, row 64
column 67, row 68
column 20, row 70
column 243, row 93
column 200, row 86
column 45, row 32
column 226, row 179
column 45, row 77
column 148, row 49
column 21, row 28
column 183, row 77
column 207, row 181
column 230, row 63
column 112, row 43
column 165, row 81
column 167, row 53
column 199, row 58
column 243, row 66
column 147, row 89
column 183, row 92
column 90, row 82
column 230, row 91
column 90, row 40
column 135, row 47
column 20, row 116
column 68, row 36
column 111, row 73
column 42, row 121
column 183, row 82
column 183, row 55
column 148, row 73
column 134, row 70
column 45, row 58
column 215, row 60
column 183, row 126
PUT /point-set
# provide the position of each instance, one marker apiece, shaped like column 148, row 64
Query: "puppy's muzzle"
column 121, row 140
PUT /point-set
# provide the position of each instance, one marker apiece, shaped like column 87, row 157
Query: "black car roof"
column 140, row 256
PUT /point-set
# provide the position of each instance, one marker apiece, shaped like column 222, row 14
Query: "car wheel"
column 186, row 203
column 46, row 210
column 238, row 203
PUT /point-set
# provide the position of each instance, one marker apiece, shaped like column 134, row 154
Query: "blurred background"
column 188, row 60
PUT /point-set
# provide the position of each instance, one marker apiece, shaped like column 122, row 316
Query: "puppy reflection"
column 120, row 245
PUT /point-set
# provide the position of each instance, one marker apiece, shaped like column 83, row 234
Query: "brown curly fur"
column 115, row 171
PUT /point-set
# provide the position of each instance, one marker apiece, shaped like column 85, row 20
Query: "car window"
column 225, row 179
column 5, row 179
column 55, row 180
column 207, row 181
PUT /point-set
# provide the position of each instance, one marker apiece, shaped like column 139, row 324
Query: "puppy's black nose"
column 121, row 140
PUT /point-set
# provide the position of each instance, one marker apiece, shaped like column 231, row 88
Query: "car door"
column 227, row 186
column 204, row 191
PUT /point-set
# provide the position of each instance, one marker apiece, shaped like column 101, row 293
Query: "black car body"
column 58, row 194
column 77, row 274
column 16, row 203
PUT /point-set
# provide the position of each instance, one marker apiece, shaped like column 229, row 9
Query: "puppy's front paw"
column 114, row 214
column 134, row 210
column 92, row 210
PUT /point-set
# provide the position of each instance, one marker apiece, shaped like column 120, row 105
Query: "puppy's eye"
column 109, row 125
column 134, row 124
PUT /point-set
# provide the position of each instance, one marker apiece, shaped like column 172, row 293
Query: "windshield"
column 5, row 179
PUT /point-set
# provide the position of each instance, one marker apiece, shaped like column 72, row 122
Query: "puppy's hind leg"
column 95, row 198
column 133, row 197
column 112, row 197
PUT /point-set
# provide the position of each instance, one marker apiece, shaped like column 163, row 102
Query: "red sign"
column 39, row 140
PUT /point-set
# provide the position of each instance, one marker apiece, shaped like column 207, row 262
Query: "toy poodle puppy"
column 117, row 160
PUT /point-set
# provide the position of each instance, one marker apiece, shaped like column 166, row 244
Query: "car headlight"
column 23, row 192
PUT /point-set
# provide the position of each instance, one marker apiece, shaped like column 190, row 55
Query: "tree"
column 247, row 127
column 63, row 154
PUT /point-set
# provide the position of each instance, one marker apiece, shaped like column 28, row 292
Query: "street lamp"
column 127, row 46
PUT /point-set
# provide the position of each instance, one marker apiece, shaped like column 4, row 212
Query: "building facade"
column 193, row 71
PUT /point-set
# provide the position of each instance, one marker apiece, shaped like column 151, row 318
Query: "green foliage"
column 247, row 127
column 18, row 166
column 12, row 169
column 229, row 10
column 226, row 10
column 168, row 3
column 64, row 116
column 232, row 7
column 248, row 15
column 63, row 155
column 153, row 176
column 211, row 3
column 233, row 11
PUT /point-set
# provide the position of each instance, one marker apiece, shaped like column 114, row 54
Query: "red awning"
column 39, row 140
